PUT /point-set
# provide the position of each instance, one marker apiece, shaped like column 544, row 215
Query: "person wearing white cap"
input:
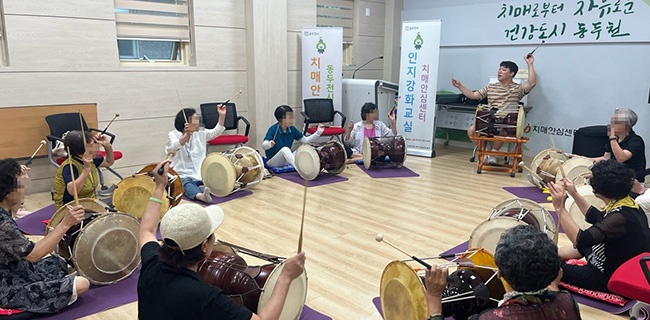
column 169, row 286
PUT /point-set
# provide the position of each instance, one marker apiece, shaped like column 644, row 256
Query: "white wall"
column 577, row 84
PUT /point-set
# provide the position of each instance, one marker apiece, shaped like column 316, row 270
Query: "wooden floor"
column 424, row 216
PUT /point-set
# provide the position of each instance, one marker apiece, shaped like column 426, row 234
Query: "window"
column 338, row 13
column 4, row 53
column 153, row 30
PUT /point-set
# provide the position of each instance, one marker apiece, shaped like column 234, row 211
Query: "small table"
column 516, row 155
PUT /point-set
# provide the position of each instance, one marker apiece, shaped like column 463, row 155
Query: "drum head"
column 577, row 169
column 90, row 206
column 367, row 153
column 547, row 153
column 107, row 249
column 218, row 174
column 296, row 296
column 175, row 189
column 251, row 160
column 307, row 162
column 528, row 211
column 586, row 192
column 486, row 235
column 132, row 195
column 521, row 119
column 402, row 293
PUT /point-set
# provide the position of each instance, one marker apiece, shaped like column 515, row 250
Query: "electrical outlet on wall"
column 367, row 12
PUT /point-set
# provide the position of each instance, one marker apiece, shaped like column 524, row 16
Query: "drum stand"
column 516, row 155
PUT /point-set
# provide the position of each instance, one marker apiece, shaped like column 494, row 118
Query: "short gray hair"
column 628, row 115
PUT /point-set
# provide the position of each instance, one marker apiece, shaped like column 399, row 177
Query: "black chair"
column 321, row 110
column 590, row 141
column 64, row 122
column 211, row 118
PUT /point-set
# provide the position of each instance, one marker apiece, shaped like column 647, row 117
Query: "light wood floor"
column 424, row 216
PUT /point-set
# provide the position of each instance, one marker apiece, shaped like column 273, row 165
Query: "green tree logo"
column 418, row 42
column 320, row 46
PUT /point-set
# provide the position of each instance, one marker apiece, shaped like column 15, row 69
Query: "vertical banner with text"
column 418, row 76
column 322, row 64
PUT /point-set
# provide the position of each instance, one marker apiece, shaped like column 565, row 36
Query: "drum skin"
column 132, row 195
column 175, row 187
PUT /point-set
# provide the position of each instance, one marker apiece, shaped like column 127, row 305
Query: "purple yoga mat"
column 390, row 172
column 218, row 200
column 32, row 223
column 600, row 305
column 100, row 298
column 531, row 193
column 319, row 181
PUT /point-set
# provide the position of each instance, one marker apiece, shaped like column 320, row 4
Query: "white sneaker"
column 207, row 197
column 490, row 160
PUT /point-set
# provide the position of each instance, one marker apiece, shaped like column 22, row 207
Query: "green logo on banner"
column 418, row 42
column 320, row 46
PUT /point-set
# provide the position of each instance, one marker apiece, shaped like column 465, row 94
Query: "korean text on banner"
column 322, row 64
column 418, row 85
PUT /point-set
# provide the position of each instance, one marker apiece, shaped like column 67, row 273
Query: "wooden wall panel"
column 301, row 13
column 88, row 9
column 220, row 48
column 220, row 13
column 48, row 44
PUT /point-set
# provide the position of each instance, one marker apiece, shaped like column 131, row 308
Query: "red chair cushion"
column 229, row 139
column 8, row 312
column 598, row 295
column 629, row 280
column 329, row 131
column 116, row 154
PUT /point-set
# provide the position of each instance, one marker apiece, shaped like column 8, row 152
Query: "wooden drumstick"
column 43, row 142
column 109, row 124
column 233, row 97
column 83, row 132
column 531, row 53
column 161, row 170
column 302, row 222
column 74, row 183
column 380, row 238
column 181, row 104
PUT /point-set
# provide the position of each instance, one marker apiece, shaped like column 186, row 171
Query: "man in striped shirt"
column 503, row 95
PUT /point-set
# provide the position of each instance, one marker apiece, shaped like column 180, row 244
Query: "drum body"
column 132, row 195
column 376, row 151
column 544, row 165
column 572, row 207
column 231, row 171
column 577, row 169
column 528, row 211
column 489, row 122
column 105, row 250
column 403, row 295
column 174, row 187
column 311, row 161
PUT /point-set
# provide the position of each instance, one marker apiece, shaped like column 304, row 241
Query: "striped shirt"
column 503, row 98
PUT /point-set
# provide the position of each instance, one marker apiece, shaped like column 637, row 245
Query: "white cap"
column 190, row 224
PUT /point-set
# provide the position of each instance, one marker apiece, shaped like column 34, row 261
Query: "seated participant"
column 169, row 286
column 643, row 198
column 625, row 146
column 189, row 145
column 528, row 260
column 369, row 127
column 617, row 234
column 503, row 95
column 84, row 164
column 280, row 136
column 28, row 281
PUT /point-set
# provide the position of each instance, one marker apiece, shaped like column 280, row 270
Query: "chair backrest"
column 62, row 122
column 590, row 141
column 211, row 115
column 319, row 110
